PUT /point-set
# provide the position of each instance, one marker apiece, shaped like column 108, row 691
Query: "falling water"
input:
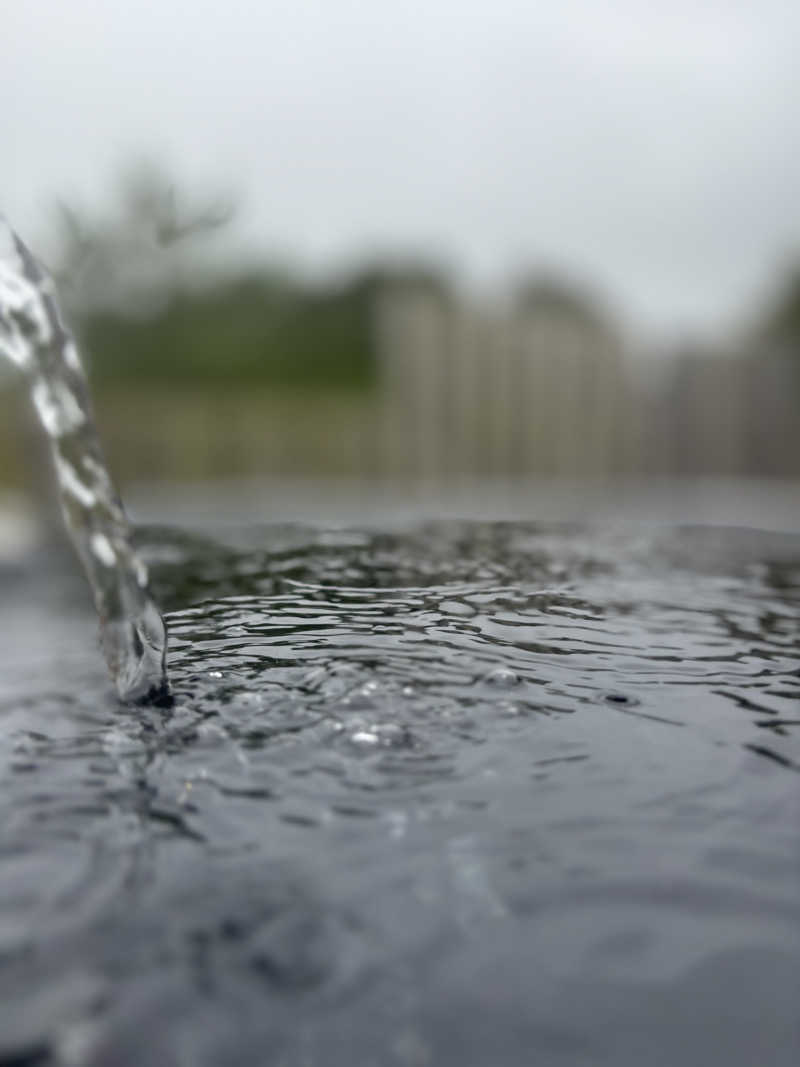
column 34, row 338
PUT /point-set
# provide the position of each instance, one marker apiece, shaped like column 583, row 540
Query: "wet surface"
column 462, row 793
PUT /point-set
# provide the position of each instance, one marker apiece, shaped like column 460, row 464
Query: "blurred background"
column 377, row 244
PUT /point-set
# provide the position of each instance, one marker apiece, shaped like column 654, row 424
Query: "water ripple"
column 408, row 775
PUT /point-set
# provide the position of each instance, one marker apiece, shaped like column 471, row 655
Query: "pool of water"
column 431, row 794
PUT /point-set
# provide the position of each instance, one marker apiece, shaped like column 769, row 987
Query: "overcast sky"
column 650, row 147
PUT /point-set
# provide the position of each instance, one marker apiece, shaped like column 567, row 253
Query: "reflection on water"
column 464, row 793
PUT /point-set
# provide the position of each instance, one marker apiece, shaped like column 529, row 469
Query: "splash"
column 34, row 338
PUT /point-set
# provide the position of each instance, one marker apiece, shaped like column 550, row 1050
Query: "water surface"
column 433, row 794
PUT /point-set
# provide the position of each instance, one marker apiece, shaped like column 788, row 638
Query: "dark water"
column 456, row 794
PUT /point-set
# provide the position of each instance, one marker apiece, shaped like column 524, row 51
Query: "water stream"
column 34, row 338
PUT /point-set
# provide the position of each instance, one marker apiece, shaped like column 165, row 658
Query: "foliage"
column 150, row 304
column 250, row 329
column 781, row 323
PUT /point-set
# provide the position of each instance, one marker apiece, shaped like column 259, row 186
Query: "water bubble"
column 503, row 677
column 392, row 733
column 365, row 738
column 619, row 698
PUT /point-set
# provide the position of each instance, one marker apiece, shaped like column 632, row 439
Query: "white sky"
column 651, row 147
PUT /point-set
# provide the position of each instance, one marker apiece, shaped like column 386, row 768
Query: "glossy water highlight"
column 33, row 337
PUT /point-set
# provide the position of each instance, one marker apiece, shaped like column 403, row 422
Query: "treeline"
column 153, row 299
column 247, row 330
column 777, row 327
